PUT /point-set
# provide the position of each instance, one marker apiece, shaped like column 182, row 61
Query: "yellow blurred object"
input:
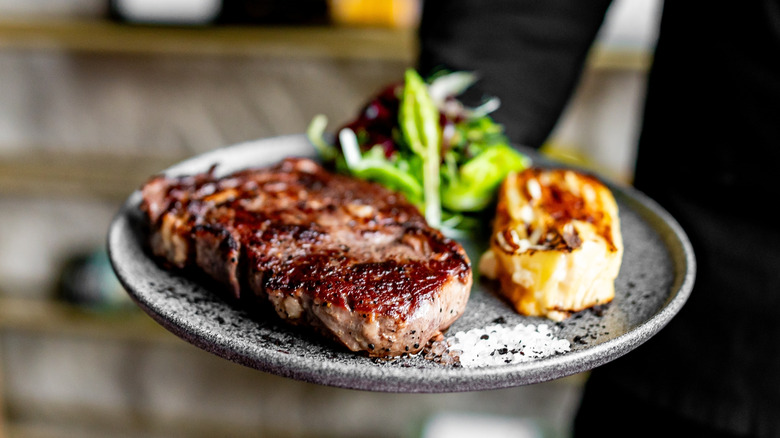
column 575, row 156
column 384, row 13
column 566, row 154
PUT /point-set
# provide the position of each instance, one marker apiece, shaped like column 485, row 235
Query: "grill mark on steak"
column 350, row 258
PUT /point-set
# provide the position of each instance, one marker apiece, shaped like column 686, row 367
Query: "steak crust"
column 349, row 258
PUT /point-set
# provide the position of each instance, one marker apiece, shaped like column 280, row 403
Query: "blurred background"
column 97, row 95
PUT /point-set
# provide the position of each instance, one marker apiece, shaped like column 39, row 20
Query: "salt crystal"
column 497, row 344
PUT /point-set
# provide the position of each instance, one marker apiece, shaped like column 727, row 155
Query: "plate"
column 655, row 280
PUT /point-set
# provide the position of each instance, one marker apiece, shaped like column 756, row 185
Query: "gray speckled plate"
column 655, row 280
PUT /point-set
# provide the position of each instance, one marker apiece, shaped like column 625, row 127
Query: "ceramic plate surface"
column 655, row 280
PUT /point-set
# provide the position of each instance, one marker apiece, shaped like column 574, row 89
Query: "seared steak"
column 350, row 258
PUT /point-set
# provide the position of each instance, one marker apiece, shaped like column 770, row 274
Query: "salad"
column 417, row 138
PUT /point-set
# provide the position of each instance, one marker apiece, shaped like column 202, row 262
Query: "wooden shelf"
column 77, row 173
column 340, row 42
column 56, row 318
column 604, row 58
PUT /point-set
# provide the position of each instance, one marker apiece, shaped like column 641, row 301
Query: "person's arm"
column 527, row 53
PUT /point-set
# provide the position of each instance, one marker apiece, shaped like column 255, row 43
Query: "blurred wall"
column 602, row 121
column 87, row 112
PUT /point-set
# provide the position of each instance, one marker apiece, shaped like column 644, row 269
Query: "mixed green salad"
column 417, row 138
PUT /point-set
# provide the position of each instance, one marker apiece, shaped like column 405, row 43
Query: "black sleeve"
column 529, row 54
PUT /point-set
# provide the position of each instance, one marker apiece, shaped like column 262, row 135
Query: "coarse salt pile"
column 498, row 344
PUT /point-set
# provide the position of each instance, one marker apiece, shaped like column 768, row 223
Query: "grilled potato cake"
column 556, row 246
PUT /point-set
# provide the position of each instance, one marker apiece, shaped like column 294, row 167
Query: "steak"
column 350, row 258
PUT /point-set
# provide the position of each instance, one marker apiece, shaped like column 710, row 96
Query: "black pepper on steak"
column 347, row 257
